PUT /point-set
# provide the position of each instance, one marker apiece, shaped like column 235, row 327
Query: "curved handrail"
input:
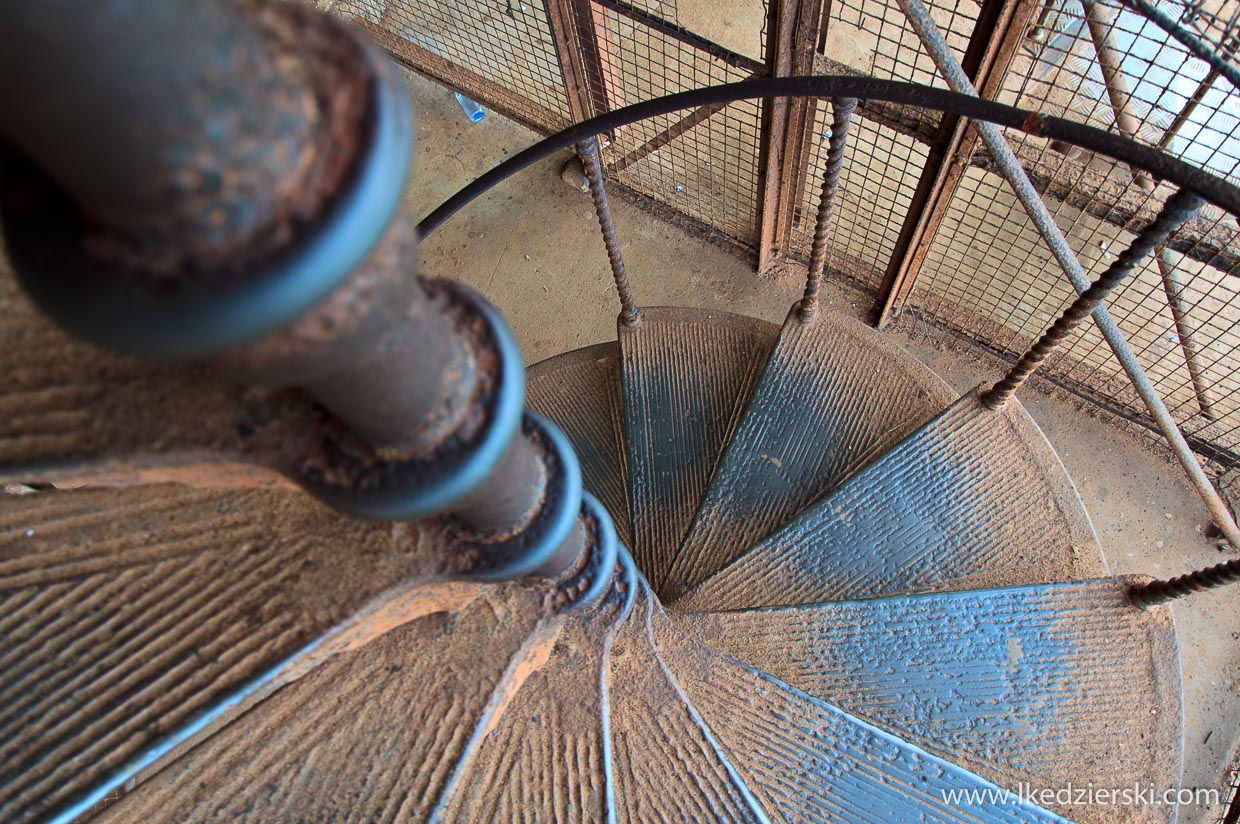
column 1211, row 188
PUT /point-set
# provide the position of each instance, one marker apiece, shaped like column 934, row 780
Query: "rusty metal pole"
column 1180, row 207
column 588, row 151
column 244, row 207
column 1161, row 592
column 841, row 114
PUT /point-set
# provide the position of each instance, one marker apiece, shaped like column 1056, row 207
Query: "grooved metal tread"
column 125, row 612
column 376, row 734
column 579, row 392
column 686, row 377
column 809, row 761
column 653, row 723
column 976, row 497
column 833, row 395
column 1024, row 686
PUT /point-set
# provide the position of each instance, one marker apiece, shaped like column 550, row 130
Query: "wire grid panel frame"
column 989, row 276
column 1216, row 22
column 499, row 53
column 874, row 37
column 1076, row 65
column 708, row 171
column 879, row 176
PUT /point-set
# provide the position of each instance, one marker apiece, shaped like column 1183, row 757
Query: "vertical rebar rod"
column 1007, row 163
column 1180, row 207
column 587, row 150
column 1126, row 120
column 1160, row 592
column 841, row 115
column 1173, row 288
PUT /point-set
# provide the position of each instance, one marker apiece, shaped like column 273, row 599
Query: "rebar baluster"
column 587, row 150
column 1005, row 159
column 841, row 110
column 1160, row 592
column 1179, row 208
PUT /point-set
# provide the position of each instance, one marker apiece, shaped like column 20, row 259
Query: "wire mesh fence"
column 983, row 272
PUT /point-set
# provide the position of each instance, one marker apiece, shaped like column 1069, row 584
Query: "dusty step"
column 666, row 764
column 1049, row 686
column 976, row 497
column 579, row 392
column 376, row 734
column 687, row 374
column 833, row 396
column 545, row 754
column 809, row 761
column 123, row 613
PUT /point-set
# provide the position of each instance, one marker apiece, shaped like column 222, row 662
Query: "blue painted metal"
column 1027, row 685
column 974, row 498
column 528, row 550
column 196, row 317
column 579, row 392
column 833, row 395
column 686, row 377
column 807, row 760
column 594, row 580
column 398, row 490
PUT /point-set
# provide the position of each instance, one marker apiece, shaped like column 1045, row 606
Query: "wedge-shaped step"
column 687, row 375
column 545, row 756
column 1045, row 686
column 808, row 761
column 977, row 497
column 667, row 767
column 376, row 734
column 124, row 612
column 579, row 392
column 834, row 395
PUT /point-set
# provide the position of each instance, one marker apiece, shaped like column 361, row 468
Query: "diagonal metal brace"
column 919, row 18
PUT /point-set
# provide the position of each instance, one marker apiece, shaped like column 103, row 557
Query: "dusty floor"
column 532, row 246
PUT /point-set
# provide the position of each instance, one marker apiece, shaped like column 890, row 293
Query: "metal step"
column 687, row 375
column 975, row 498
column 833, row 396
column 124, row 613
column 1050, row 686
column 667, row 767
column 546, row 756
column 376, row 734
column 809, row 761
column 579, row 392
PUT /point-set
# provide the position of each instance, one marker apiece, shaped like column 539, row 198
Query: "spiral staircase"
column 805, row 581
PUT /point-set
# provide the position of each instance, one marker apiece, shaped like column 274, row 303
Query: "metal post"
column 1179, row 208
column 1007, row 163
column 841, row 113
column 200, row 245
column 1160, row 592
column 1109, row 60
column 588, row 151
column 793, row 30
column 997, row 34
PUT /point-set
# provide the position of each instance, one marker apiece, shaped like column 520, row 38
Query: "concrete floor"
column 532, row 246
